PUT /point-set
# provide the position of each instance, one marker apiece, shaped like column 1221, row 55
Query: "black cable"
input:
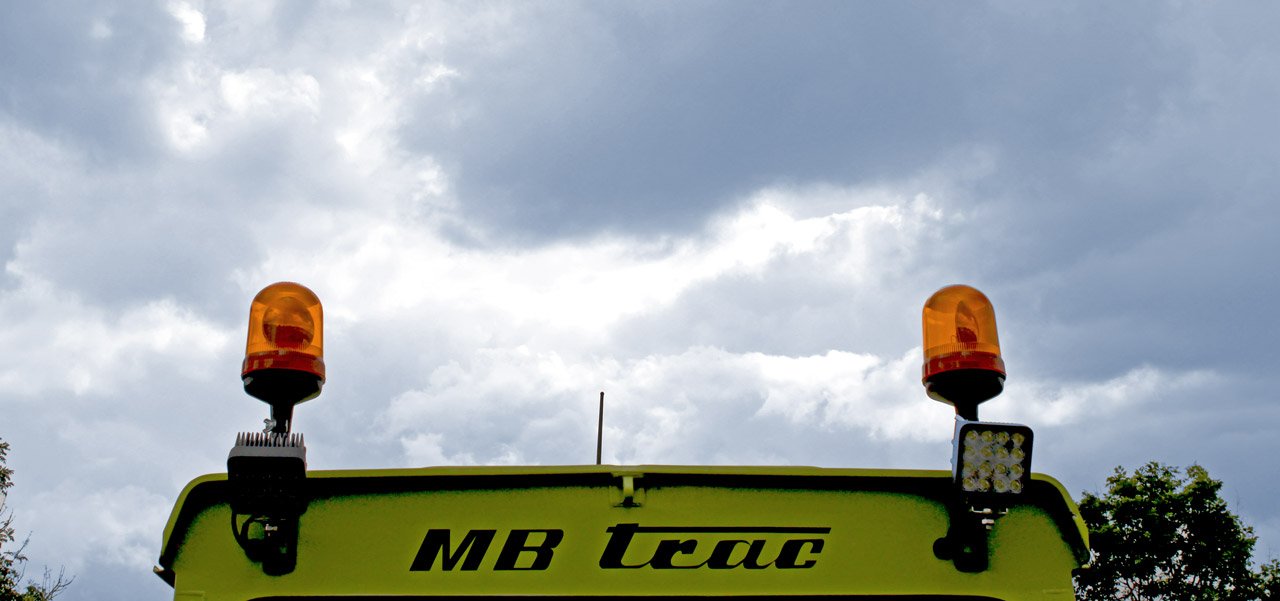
column 241, row 533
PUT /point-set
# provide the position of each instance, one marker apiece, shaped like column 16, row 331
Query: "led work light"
column 267, row 472
column 992, row 462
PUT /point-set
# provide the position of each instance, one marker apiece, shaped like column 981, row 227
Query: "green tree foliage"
column 12, row 561
column 1158, row 534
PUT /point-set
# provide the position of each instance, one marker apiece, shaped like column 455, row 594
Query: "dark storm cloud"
column 77, row 118
column 1159, row 247
column 78, row 73
column 140, row 250
column 660, row 117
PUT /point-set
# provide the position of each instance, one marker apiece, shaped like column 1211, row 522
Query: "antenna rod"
column 600, row 429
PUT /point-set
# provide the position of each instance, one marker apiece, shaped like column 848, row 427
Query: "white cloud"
column 269, row 94
column 434, row 75
column 191, row 20
column 1067, row 403
column 118, row 526
column 27, row 162
column 56, row 343
column 690, row 407
column 575, row 291
column 672, row 408
column 197, row 101
column 100, row 30
column 850, row 391
column 426, row 449
column 184, row 103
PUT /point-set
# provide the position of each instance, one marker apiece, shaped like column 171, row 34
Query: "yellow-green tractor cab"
column 630, row 531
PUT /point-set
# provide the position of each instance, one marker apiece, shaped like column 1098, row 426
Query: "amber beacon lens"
column 284, row 353
column 962, row 364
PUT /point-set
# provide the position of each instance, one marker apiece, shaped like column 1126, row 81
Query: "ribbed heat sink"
column 268, row 439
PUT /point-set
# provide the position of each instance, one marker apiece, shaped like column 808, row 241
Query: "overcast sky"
column 727, row 215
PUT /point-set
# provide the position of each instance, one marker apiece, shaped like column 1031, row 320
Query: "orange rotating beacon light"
column 284, row 354
column 962, row 364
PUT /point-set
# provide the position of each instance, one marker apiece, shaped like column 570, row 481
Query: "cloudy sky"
column 726, row 215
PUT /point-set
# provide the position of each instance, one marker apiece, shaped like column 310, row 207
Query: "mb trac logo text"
column 631, row 546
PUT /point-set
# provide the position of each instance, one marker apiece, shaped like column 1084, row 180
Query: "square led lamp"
column 266, row 472
column 992, row 461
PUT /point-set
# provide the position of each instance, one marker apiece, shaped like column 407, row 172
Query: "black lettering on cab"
column 522, row 550
column 715, row 548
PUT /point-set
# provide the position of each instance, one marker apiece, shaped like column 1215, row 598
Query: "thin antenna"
column 600, row 429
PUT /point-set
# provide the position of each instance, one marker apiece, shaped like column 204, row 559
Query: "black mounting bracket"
column 966, row 541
